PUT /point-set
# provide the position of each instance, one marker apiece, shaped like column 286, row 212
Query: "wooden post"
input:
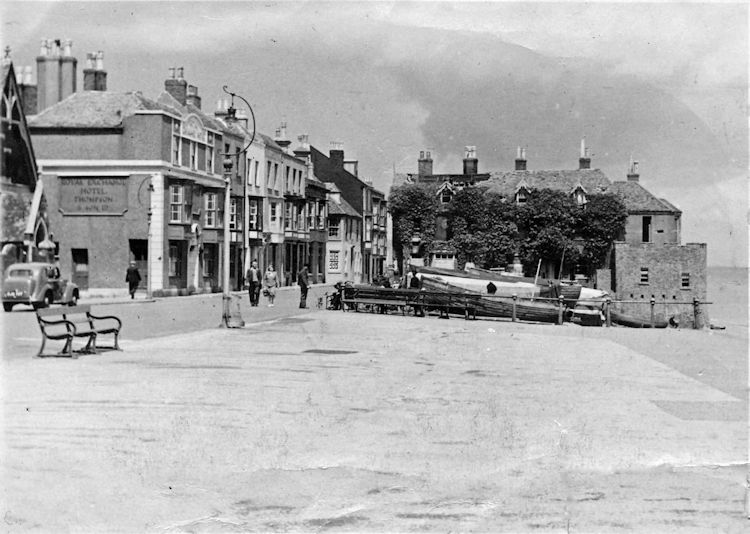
column 561, row 300
column 607, row 305
column 653, row 306
column 515, row 298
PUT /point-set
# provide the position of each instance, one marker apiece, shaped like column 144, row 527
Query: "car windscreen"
column 21, row 273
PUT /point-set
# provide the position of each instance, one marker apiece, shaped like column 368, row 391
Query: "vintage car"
column 38, row 285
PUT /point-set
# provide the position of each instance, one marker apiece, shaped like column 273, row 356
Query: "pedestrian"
column 416, row 283
column 303, row 280
column 133, row 278
column 253, row 283
column 270, row 283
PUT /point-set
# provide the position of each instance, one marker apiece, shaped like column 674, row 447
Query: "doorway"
column 139, row 254
column 80, row 267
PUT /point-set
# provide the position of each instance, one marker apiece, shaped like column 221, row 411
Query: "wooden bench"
column 382, row 297
column 447, row 302
column 76, row 322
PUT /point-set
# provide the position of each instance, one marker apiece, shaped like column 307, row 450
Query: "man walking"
column 303, row 279
column 253, row 283
column 133, row 278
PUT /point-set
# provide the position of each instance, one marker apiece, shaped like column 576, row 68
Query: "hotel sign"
column 93, row 196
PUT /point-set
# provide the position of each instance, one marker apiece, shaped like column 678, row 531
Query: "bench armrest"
column 43, row 323
column 106, row 318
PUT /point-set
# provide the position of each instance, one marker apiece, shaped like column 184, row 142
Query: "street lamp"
column 229, row 319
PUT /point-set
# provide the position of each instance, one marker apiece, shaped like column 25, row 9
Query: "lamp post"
column 229, row 319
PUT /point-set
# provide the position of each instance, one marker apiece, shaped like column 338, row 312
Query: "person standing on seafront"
column 133, row 278
column 270, row 283
column 253, row 283
column 303, row 279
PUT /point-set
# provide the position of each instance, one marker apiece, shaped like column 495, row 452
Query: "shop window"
column 209, row 262
column 685, row 280
column 333, row 260
column 644, row 275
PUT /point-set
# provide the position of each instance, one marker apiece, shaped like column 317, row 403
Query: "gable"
column 18, row 161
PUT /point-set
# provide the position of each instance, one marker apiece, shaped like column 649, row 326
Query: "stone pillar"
column 156, row 233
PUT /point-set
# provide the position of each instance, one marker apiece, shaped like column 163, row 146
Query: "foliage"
column 602, row 222
column 482, row 228
column 414, row 210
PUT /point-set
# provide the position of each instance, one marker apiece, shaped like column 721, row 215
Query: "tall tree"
column 599, row 225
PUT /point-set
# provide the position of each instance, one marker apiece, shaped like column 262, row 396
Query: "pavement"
column 329, row 421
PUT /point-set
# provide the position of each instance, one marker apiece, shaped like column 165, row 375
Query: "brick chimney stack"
column 336, row 154
column 176, row 85
column 281, row 137
column 424, row 163
column 521, row 159
column 89, row 73
column 633, row 175
column 303, row 150
column 56, row 72
column 28, row 91
column 192, row 97
column 471, row 163
column 584, row 161
column 100, row 74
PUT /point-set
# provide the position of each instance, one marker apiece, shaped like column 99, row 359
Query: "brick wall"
column 665, row 229
column 666, row 265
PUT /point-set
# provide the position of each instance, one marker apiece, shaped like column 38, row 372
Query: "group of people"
column 256, row 282
column 268, row 282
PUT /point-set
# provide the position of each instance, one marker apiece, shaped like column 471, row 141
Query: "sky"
column 664, row 83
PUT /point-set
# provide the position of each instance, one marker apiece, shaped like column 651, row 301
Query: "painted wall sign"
column 93, row 196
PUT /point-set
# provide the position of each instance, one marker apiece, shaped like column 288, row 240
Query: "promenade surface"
column 331, row 421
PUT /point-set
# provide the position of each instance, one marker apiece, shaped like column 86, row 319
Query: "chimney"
column 281, row 138
column 336, row 154
column 221, row 104
column 633, row 175
column 28, row 91
column 89, row 73
column 584, row 161
column 352, row 166
column 303, row 150
column 471, row 163
column 521, row 159
column 48, row 75
column 192, row 97
column 177, row 87
column 100, row 75
column 424, row 163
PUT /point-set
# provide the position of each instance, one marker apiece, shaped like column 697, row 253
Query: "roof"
column 169, row 103
column 593, row 181
column 93, row 109
column 334, row 208
column 638, row 198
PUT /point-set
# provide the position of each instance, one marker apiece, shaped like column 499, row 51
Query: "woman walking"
column 270, row 283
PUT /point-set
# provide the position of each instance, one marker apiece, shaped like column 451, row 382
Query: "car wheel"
column 45, row 303
column 7, row 306
column 73, row 300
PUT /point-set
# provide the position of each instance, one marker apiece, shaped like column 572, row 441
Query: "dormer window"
column 445, row 196
column 521, row 196
column 580, row 197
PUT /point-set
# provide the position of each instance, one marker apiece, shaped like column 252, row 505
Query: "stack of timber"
column 489, row 306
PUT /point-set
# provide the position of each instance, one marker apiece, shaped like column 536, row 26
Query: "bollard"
column 697, row 315
column 515, row 298
column 561, row 299
column 653, row 306
column 234, row 319
column 607, row 304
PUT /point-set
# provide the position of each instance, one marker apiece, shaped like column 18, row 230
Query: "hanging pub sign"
column 93, row 196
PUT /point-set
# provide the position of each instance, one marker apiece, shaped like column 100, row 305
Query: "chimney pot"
column 67, row 47
column 171, row 72
column 100, row 60
column 521, row 159
column 180, row 73
column 43, row 49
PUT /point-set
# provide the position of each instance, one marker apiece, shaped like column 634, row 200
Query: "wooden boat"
column 631, row 321
column 488, row 306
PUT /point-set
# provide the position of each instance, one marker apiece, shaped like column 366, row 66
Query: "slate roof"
column 593, row 181
column 169, row 103
column 638, row 198
column 93, row 109
column 334, row 208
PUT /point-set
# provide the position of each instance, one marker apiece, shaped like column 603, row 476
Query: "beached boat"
column 632, row 321
column 489, row 306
